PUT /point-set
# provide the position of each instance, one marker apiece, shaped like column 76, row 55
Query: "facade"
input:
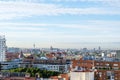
column 2, row 48
column 52, row 65
column 82, row 65
column 82, row 70
column 103, row 70
column 82, row 75
column 10, row 65
column 107, row 70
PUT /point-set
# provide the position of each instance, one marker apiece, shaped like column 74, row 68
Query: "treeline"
column 34, row 71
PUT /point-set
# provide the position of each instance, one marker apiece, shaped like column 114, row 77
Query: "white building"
column 2, row 48
column 80, row 75
column 51, row 67
column 9, row 65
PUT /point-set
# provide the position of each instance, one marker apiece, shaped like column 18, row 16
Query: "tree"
column 33, row 71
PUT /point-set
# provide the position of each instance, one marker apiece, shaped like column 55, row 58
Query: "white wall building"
column 9, row 65
column 80, row 75
column 51, row 67
column 2, row 48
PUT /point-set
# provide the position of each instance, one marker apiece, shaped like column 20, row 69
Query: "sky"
column 61, row 23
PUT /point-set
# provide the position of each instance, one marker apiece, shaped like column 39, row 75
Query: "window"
column 107, row 64
column 101, row 63
column 78, row 62
column 97, row 63
column 115, row 64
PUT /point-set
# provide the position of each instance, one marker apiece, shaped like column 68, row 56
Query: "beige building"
column 82, row 75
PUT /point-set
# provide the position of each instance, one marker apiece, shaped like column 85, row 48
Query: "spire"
column 21, row 55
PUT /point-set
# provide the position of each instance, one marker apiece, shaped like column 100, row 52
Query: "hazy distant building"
column 99, row 49
column 2, row 48
column 51, row 48
column 13, row 50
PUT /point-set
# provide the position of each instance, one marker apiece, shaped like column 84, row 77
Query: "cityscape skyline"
column 61, row 23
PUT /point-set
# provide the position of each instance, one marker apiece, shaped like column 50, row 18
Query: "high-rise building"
column 2, row 48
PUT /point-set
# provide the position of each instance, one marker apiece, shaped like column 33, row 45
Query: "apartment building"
column 82, row 75
column 82, row 70
column 52, row 65
column 82, row 65
column 103, row 70
column 107, row 70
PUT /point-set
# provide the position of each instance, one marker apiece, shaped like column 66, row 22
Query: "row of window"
column 106, row 64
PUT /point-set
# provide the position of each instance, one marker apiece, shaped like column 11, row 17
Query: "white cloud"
column 113, row 3
column 90, row 25
column 21, row 27
column 87, row 1
column 11, row 10
column 21, row 24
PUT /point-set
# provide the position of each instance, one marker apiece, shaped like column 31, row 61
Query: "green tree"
column 33, row 71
